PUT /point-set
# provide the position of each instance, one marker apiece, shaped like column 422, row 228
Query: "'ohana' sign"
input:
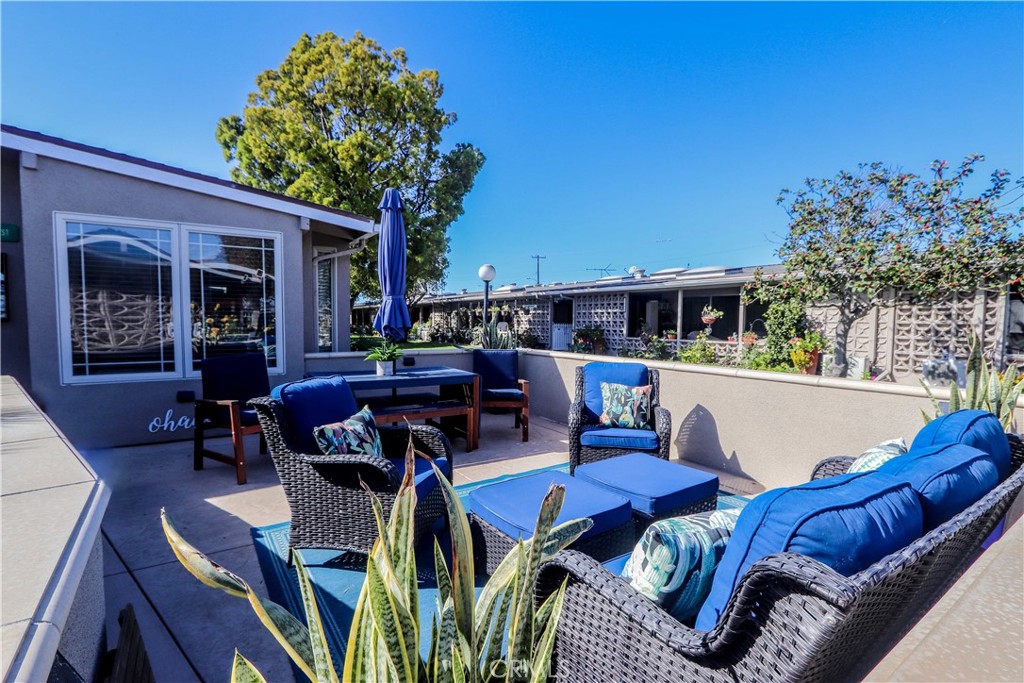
column 168, row 423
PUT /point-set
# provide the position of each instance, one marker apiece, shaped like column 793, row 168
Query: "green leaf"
column 323, row 664
column 393, row 622
column 242, row 671
column 463, row 572
column 446, row 637
column 444, row 580
column 199, row 565
column 287, row 630
column 541, row 664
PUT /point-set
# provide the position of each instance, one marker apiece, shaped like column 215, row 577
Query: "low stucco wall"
column 766, row 426
column 355, row 361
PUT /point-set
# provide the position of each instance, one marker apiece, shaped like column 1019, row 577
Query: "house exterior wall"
column 14, row 360
column 132, row 412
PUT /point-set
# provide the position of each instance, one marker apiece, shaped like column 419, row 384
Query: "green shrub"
column 699, row 351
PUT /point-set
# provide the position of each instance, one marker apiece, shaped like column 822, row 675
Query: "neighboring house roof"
column 668, row 279
column 34, row 142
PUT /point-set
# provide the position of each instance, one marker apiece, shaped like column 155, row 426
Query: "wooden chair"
column 500, row 386
column 228, row 382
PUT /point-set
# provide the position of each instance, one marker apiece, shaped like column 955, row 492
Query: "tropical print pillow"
column 358, row 434
column 674, row 562
column 625, row 406
column 876, row 456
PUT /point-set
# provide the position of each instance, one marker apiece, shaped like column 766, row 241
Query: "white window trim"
column 180, row 285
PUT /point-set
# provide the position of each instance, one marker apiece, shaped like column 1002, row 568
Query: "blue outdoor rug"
column 337, row 578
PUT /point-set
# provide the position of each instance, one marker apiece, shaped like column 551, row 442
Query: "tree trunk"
column 847, row 316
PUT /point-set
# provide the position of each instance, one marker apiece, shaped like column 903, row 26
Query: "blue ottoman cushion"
column 630, row 374
column 947, row 478
column 846, row 522
column 426, row 480
column 653, row 486
column 618, row 437
column 312, row 402
column 977, row 428
column 512, row 506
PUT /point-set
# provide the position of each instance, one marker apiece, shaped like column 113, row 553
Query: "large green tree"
column 862, row 236
column 339, row 122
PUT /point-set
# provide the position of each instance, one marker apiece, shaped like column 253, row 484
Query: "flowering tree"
column 858, row 236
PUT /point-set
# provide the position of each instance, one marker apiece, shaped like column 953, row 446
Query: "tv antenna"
column 606, row 271
column 538, row 267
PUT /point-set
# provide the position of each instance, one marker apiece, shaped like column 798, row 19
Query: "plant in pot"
column 806, row 350
column 385, row 354
column 669, row 334
column 710, row 314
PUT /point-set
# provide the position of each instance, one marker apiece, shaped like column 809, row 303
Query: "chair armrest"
column 663, row 426
column 524, row 386
column 211, row 402
column 830, row 467
column 426, row 439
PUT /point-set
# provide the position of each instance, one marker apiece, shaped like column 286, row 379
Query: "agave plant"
column 985, row 390
column 501, row 636
column 489, row 337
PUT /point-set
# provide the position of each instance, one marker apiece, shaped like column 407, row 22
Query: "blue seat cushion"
column 498, row 368
column 630, row 374
column 652, row 485
column 947, row 478
column 977, row 428
column 513, row 505
column 617, row 564
column 846, row 522
column 312, row 402
column 501, row 395
column 596, row 436
column 426, row 480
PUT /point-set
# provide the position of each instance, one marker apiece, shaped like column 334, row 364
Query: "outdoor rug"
column 337, row 578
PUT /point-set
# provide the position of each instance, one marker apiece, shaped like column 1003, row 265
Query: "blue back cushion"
column 498, row 368
column 630, row 374
column 846, row 522
column 977, row 428
column 235, row 378
column 313, row 402
column 947, row 478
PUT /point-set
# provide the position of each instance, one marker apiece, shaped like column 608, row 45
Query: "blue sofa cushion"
column 630, row 374
column 426, row 480
column 617, row 437
column 652, row 485
column 498, row 368
column 947, row 478
column 512, row 505
column 312, row 402
column 675, row 561
column 977, row 428
column 501, row 395
column 846, row 522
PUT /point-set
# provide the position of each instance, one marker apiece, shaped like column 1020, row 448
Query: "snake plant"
column 500, row 636
column 985, row 390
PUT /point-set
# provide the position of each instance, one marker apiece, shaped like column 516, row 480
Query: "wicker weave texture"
column 329, row 507
column 790, row 619
column 581, row 455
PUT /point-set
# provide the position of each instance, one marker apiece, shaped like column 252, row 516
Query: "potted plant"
column 385, row 354
column 749, row 339
column 710, row 314
column 805, row 351
column 669, row 334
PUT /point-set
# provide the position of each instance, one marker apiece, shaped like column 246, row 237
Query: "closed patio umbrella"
column 392, row 318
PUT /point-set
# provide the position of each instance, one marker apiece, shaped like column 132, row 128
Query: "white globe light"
column 486, row 272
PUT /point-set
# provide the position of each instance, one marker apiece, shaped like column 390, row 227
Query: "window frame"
column 180, row 291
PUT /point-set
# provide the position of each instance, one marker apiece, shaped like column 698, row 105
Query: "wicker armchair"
column 580, row 417
column 790, row 618
column 329, row 507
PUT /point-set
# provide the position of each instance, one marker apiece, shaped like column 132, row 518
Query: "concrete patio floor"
column 190, row 630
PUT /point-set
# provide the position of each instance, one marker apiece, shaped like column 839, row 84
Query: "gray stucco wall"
column 14, row 333
column 121, row 413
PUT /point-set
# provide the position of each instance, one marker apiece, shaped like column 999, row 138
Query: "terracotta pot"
column 708, row 319
column 812, row 369
column 670, row 335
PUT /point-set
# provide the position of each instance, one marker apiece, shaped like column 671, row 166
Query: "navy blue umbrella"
column 392, row 318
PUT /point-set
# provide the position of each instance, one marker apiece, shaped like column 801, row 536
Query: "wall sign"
column 10, row 232
column 170, row 423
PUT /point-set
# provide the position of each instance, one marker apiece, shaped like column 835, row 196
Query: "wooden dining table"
column 416, row 407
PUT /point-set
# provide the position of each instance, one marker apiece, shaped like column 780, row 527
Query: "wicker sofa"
column 790, row 618
column 329, row 508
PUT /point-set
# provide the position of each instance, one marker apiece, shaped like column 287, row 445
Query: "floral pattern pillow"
column 358, row 434
column 625, row 406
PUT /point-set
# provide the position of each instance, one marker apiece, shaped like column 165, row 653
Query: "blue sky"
column 655, row 135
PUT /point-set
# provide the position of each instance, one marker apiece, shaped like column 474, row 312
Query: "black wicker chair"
column 329, row 507
column 791, row 618
column 580, row 417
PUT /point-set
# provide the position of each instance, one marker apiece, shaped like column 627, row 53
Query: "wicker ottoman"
column 502, row 513
column 656, row 488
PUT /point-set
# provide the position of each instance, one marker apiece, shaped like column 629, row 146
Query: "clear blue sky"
column 652, row 135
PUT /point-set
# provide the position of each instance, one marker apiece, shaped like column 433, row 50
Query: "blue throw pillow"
column 675, row 560
column 946, row 478
column 846, row 522
column 978, row 428
column 358, row 434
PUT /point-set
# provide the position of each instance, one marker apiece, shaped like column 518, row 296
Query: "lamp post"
column 486, row 274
